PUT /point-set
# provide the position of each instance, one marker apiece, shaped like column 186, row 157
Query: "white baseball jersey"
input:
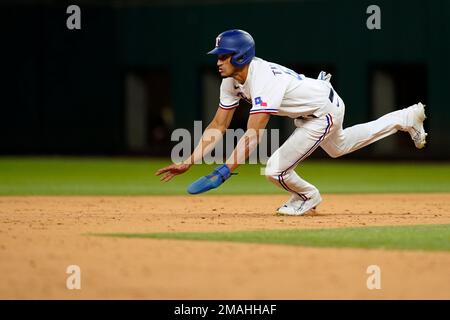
column 275, row 89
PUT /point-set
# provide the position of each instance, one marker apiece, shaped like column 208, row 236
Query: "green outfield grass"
column 113, row 176
column 424, row 237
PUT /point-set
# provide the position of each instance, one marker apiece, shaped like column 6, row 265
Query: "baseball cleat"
column 416, row 131
column 300, row 207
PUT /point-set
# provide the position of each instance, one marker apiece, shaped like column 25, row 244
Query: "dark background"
column 68, row 91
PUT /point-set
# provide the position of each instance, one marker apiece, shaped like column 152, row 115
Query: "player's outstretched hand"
column 171, row 171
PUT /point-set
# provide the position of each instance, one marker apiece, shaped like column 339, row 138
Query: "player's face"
column 226, row 69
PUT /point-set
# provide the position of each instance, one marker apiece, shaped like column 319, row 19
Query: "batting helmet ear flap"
column 244, row 57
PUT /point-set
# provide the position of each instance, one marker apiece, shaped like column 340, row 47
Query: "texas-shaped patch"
column 259, row 102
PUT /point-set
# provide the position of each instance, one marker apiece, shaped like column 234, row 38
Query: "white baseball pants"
column 325, row 131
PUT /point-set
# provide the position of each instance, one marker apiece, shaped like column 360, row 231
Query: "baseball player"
column 316, row 108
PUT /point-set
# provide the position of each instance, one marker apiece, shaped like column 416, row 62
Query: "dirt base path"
column 41, row 236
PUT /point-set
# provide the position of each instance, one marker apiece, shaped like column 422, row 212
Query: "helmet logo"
column 217, row 41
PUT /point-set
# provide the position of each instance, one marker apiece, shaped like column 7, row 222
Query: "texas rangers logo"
column 217, row 41
column 259, row 101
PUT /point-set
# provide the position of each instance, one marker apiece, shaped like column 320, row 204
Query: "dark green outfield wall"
column 62, row 91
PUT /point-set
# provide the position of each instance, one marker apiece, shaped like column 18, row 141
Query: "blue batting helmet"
column 237, row 42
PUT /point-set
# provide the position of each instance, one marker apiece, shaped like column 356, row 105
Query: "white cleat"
column 416, row 130
column 300, row 207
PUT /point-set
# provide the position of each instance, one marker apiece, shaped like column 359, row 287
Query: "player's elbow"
column 258, row 121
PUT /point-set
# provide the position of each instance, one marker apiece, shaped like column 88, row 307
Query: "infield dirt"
column 41, row 236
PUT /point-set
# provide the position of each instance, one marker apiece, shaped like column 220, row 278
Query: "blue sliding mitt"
column 211, row 181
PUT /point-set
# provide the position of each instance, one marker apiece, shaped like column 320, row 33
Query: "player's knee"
column 271, row 171
column 270, row 174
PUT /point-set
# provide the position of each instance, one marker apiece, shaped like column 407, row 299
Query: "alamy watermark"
column 74, row 20
column 374, row 280
column 373, row 22
column 223, row 144
column 74, row 279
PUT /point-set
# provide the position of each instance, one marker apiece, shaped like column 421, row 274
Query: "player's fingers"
column 168, row 177
column 163, row 177
column 162, row 170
